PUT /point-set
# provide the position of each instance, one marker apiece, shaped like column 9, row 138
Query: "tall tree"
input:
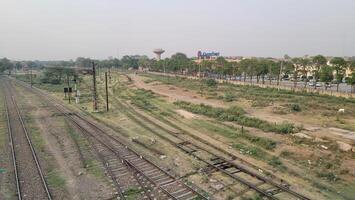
column 304, row 62
column 326, row 75
column 339, row 65
column 318, row 62
column 296, row 65
column 6, row 64
column 351, row 81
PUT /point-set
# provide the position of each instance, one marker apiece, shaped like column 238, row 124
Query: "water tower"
column 158, row 52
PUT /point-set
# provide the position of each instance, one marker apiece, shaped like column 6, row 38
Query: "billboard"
column 207, row 55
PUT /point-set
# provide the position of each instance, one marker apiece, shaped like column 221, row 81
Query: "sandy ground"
column 186, row 114
column 172, row 94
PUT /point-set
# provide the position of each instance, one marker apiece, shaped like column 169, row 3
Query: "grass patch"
column 142, row 99
column 236, row 114
column 132, row 193
column 55, row 180
column 276, row 163
column 233, row 133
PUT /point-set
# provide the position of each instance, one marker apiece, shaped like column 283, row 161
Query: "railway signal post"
column 94, row 87
column 107, row 108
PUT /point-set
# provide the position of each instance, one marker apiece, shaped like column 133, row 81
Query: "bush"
column 330, row 176
column 228, row 97
column 295, row 107
column 211, row 82
column 276, row 163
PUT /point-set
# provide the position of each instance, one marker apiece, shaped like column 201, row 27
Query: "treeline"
column 9, row 65
column 305, row 69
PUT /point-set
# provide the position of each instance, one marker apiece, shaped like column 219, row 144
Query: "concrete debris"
column 217, row 186
column 309, row 162
column 80, row 173
column 213, row 180
column 302, row 135
column 177, row 162
column 324, row 147
column 162, row 157
column 317, row 139
column 344, row 146
column 152, row 141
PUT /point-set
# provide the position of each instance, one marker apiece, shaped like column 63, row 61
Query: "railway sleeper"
column 152, row 171
column 273, row 191
column 179, row 191
column 159, row 177
column 184, row 195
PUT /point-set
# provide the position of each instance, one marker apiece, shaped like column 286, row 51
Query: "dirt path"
column 173, row 93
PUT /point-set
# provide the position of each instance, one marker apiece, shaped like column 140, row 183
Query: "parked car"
column 312, row 84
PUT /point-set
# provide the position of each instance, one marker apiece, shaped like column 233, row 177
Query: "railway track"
column 125, row 166
column 263, row 185
column 28, row 174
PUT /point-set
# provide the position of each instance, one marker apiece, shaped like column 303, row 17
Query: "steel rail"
column 266, row 180
column 113, row 138
column 33, row 152
column 9, row 129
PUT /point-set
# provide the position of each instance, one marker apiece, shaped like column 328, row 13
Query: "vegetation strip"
column 236, row 114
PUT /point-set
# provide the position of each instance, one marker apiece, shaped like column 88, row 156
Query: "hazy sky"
column 66, row 29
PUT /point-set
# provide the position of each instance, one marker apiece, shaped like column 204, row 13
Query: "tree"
column 83, row 62
column 304, row 62
column 326, row 75
column 339, row 65
column 318, row 62
column 351, row 81
column 5, row 64
column 179, row 61
column 296, row 67
column 262, row 69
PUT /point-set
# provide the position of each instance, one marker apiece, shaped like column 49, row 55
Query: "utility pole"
column 31, row 76
column 109, row 74
column 69, row 90
column 279, row 80
column 94, row 86
column 107, row 108
column 199, row 70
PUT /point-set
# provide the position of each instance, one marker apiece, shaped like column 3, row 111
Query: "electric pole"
column 280, row 73
column 94, row 86
column 31, row 75
column 107, row 108
column 69, row 90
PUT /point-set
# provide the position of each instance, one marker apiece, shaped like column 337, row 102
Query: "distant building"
column 207, row 55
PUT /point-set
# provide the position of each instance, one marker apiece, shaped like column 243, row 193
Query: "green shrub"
column 295, row 107
column 211, row 82
column 229, row 97
column 330, row 176
column 276, row 163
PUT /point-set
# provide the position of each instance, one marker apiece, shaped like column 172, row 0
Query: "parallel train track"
column 216, row 162
column 125, row 166
column 29, row 177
